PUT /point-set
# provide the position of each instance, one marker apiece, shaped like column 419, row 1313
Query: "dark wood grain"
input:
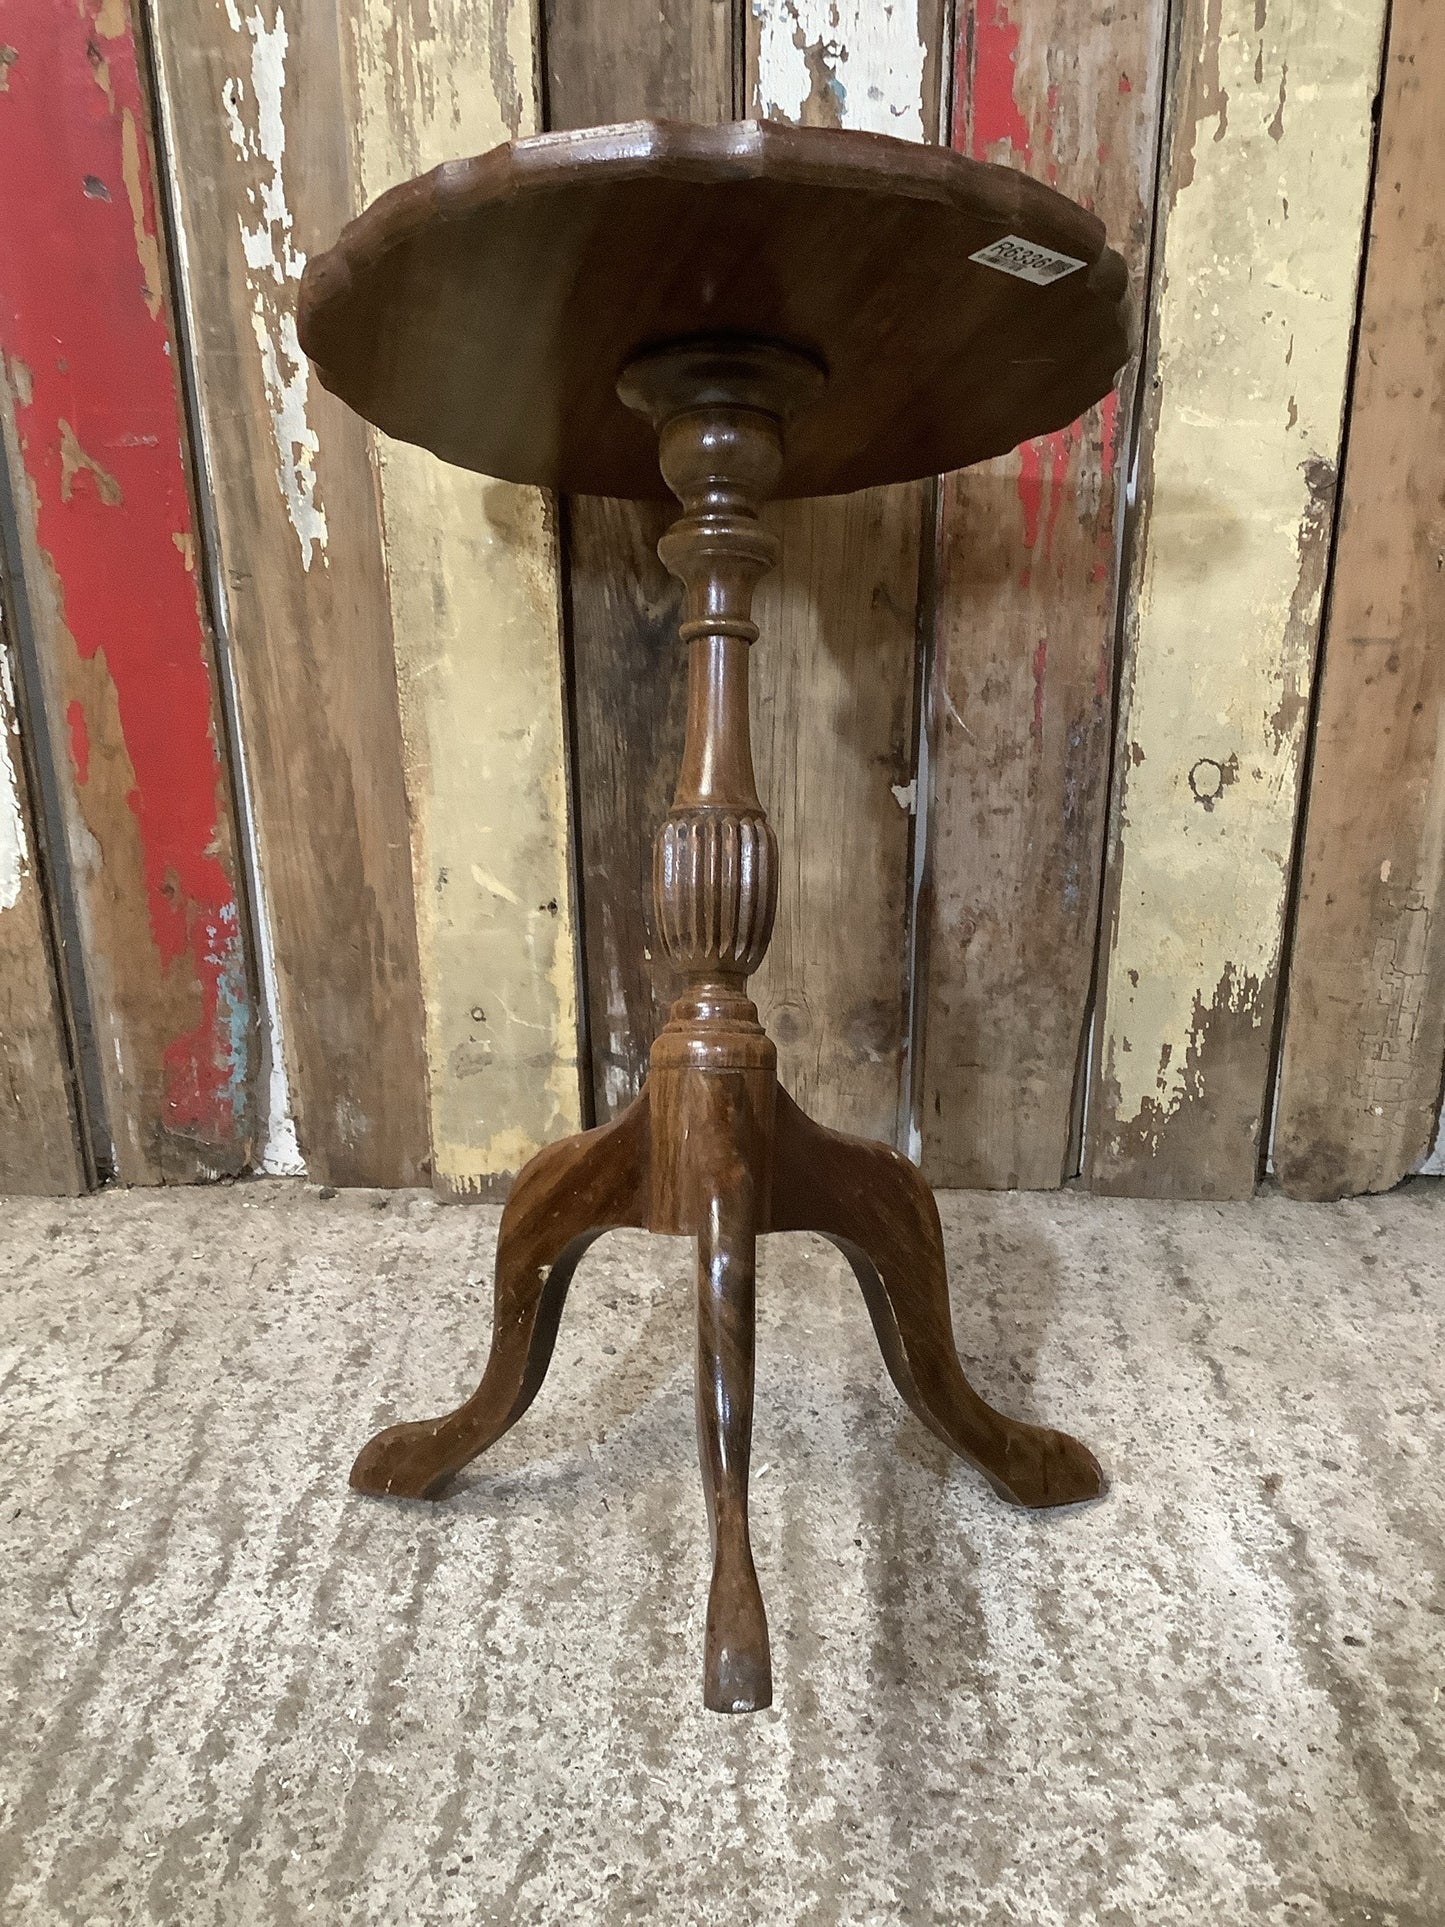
column 554, row 260
column 713, row 1078
column 737, row 1666
column 699, row 1153
column 872, row 1203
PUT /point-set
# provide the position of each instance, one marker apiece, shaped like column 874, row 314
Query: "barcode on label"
column 1027, row 260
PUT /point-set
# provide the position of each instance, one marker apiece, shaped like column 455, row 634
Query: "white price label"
column 1026, row 260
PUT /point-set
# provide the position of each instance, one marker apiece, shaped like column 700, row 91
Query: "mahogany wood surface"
column 713, row 1149
column 739, row 1673
column 712, row 1081
column 486, row 309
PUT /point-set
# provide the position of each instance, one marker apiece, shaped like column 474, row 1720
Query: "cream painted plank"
column 1264, row 188
column 834, row 672
column 472, row 573
column 1365, row 1031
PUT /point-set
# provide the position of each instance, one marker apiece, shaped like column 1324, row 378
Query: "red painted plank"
column 127, row 661
column 1020, row 696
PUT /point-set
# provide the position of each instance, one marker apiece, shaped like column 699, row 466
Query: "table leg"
column 562, row 1200
column 738, row 1676
column 872, row 1203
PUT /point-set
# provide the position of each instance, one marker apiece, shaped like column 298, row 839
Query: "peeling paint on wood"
column 1266, row 175
column 99, row 476
column 39, row 1145
column 14, row 847
column 1021, row 695
column 257, row 127
column 260, row 113
column 1364, row 1038
column 834, row 671
column 847, row 63
column 472, row 568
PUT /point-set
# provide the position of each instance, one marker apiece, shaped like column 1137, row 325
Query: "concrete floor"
column 235, row 1693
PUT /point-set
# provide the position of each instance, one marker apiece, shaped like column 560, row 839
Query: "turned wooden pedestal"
column 714, row 1148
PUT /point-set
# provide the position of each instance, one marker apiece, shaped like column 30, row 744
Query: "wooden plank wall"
column 259, row 138
column 1021, row 692
column 472, row 575
column 1262, row 200
column 40, row 1149
column 423, row 1026
column 113, row 623
column 612, row 60
column 833, row 695
column 1364, row 1038
column 1041, row 770
column 836, row 670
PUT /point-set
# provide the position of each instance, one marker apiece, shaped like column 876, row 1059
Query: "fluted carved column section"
column 718, row 409
column 715, row 883
column 715, row 859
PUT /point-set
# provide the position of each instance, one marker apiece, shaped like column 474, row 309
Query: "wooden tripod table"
column 737, row 312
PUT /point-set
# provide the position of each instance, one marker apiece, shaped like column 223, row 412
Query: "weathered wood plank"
column 1364, row 1037
column 124, row 658
column 472, row 571
column 1020, row 699
column 835, row 671
column 1264, row 186
column 259, row 119
column 39, row 1144
column 612, row 60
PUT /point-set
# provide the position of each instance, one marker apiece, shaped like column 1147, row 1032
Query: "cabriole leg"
column 568, row 1195
column 872, row 1203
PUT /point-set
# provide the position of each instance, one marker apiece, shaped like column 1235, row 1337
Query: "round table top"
column 487, row 309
